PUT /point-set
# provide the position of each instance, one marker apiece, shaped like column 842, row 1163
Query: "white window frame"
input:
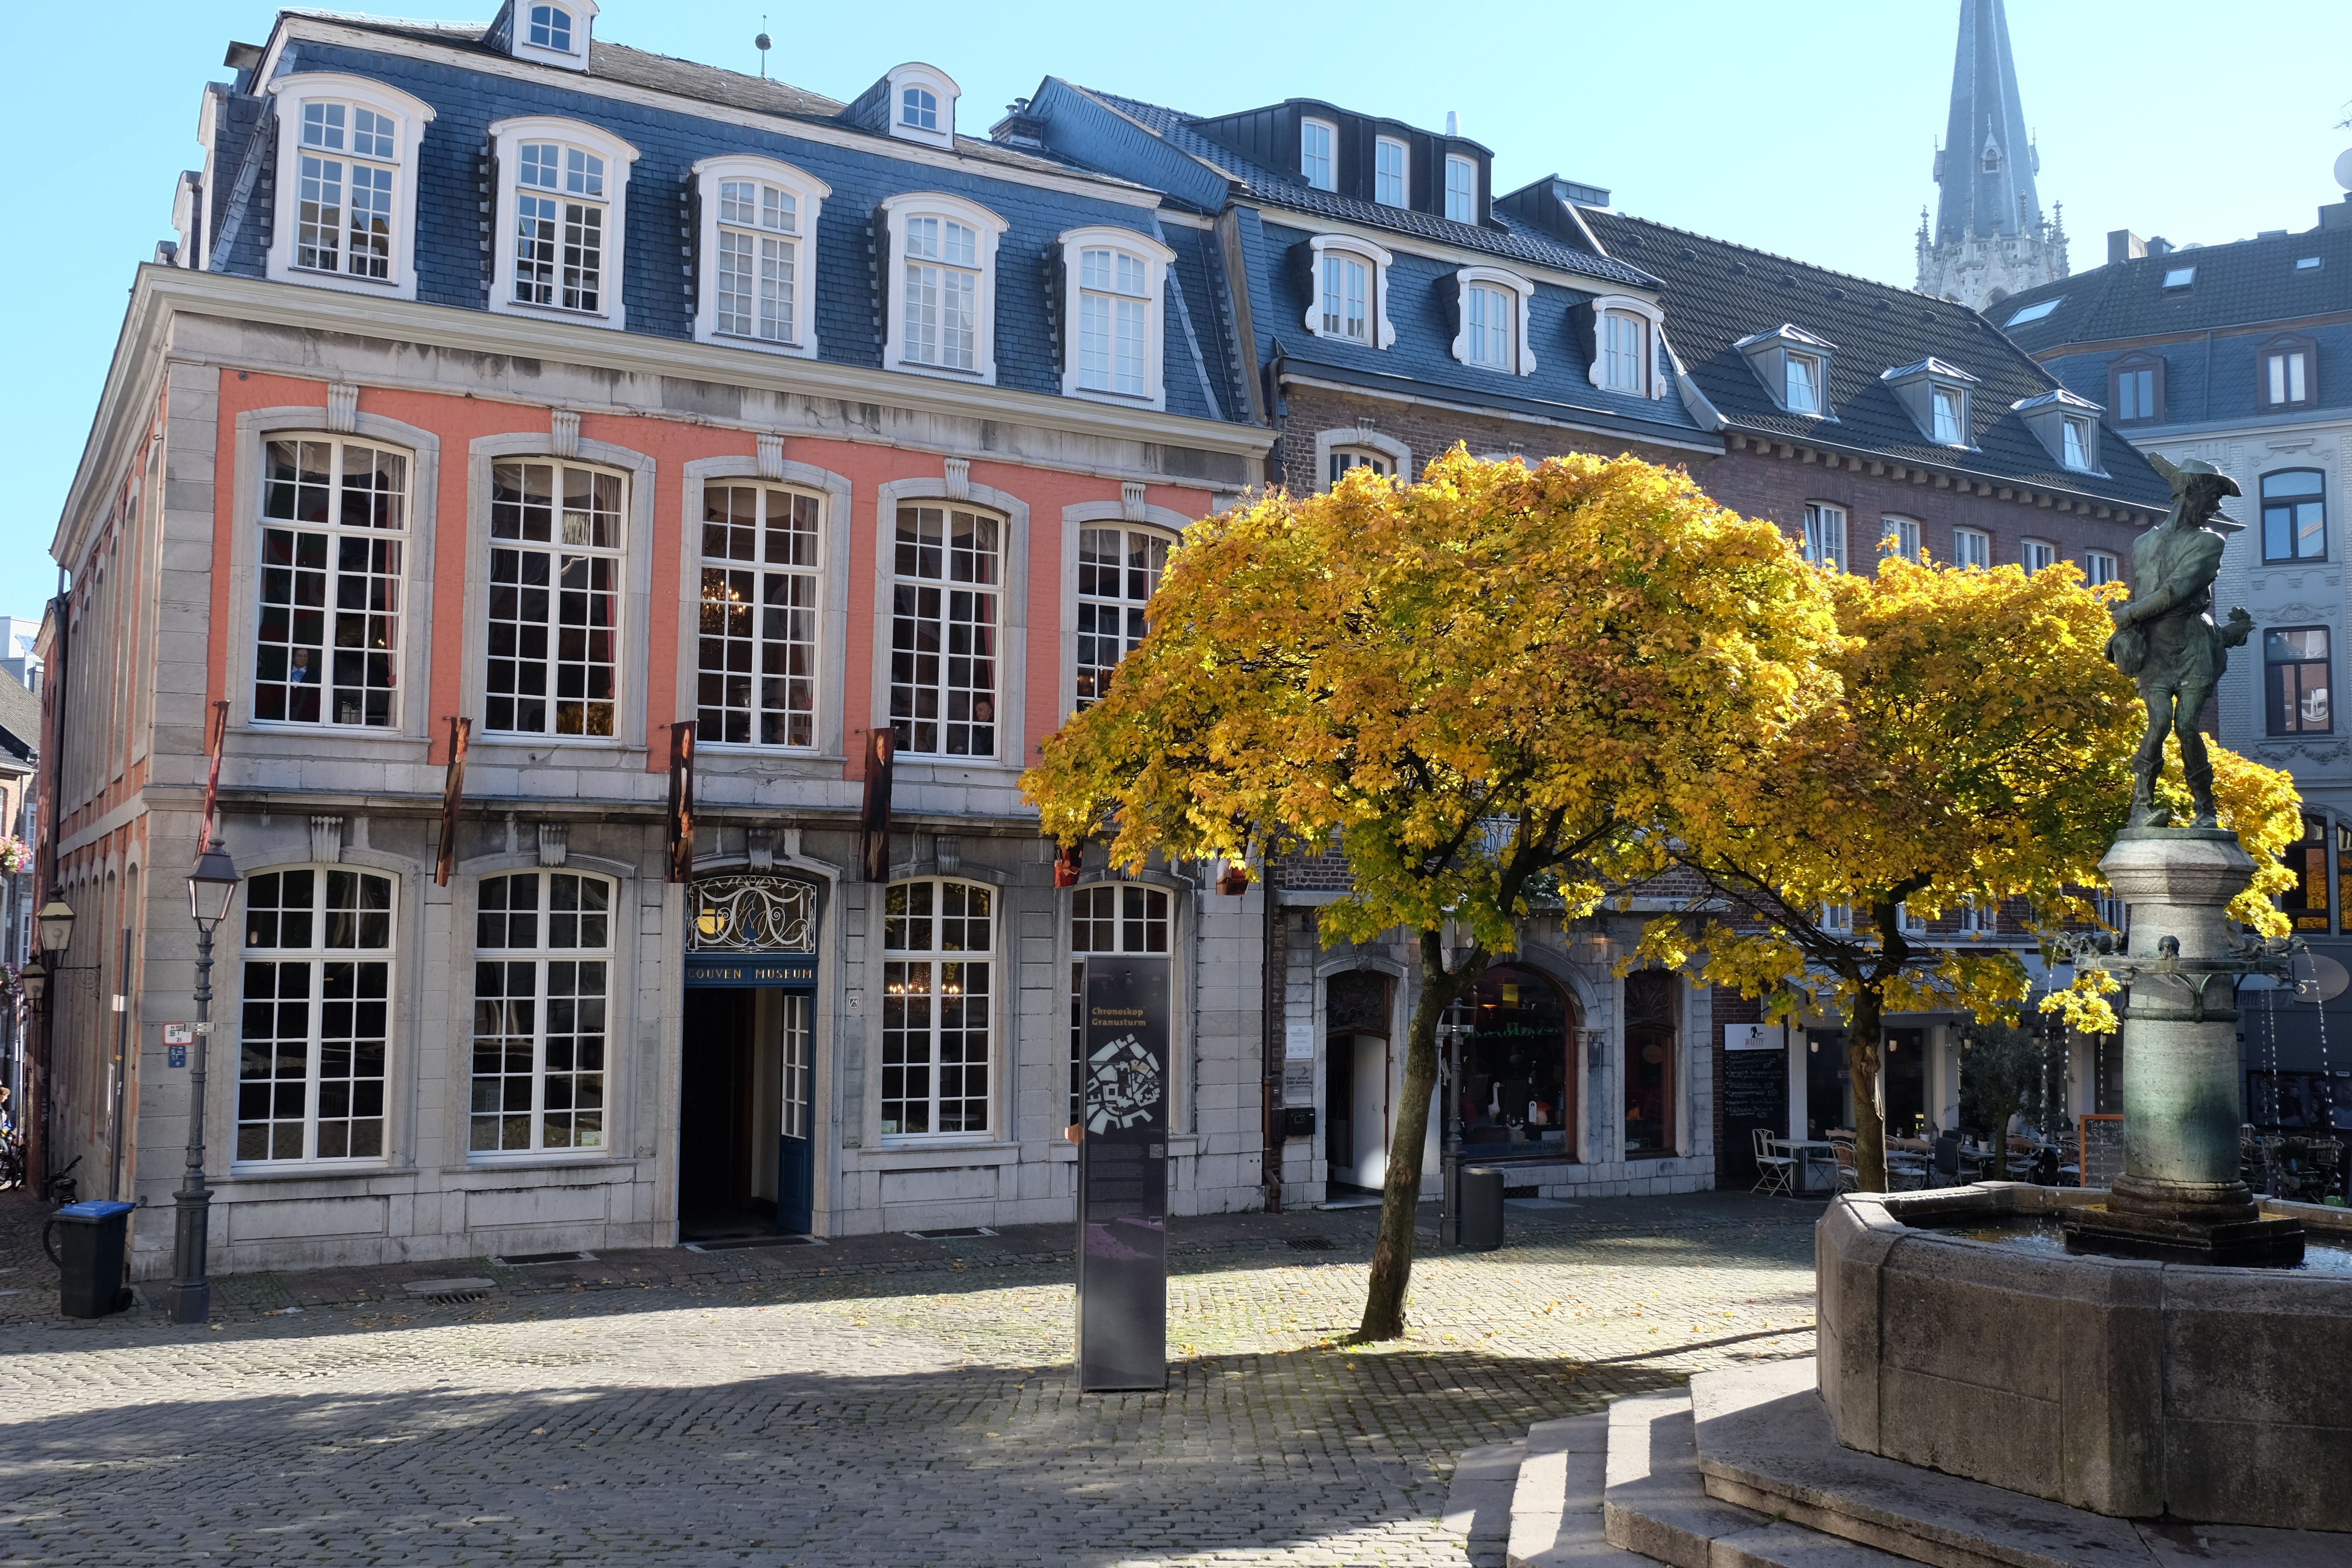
column 1127, row 614
column 2036, row 555
column 1135, row 927
column 1899, row 535
column 2101, row 566
column 1461, row 193
column 1398, row 455
column 1308, row 126
column 507, row 140
column 816, row 574
column 620, row 555
column 2286, row 377
column 1382, row 147
column 1156, row 258
column 2077, row 443
column 988, row 229
column 541, row 955
column 941, row 86
column 1938, row 399
column 1971, row 547
column 1521, row 359
column 1375, row 261
column 402, row 537
column 409, row 117
column 808, row 194
column 584, row 24
column 1825, row 541
column 1812, row 367
column 1836, row 918
column 315, row 955
column 996, row 1043
column 948, row 586
column 1654, row 325
column 1918, row 387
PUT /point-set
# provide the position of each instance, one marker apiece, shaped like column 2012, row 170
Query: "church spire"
column 1987, row 166
column 1989, row 239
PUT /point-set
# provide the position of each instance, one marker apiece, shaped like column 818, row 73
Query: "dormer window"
column 1936, row 395
column 561, row 200
column 1624, row 346
column 1391, row 185
column 1794, row 367
column 755, row 286
column 2066, row 426
column 2135, row 388
column 1317, row 163
column 943, row 274
column 1350, row 283
column 1461, row 189
column 1495, row 308
column 346, row 214
column 917, row 102
column 549, row 33
column 1113, row 279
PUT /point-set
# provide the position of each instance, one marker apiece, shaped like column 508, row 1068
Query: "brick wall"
column 1427, row 432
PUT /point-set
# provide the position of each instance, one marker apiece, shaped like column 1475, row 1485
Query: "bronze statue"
column 2166, row 641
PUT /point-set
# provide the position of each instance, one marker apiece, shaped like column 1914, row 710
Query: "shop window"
column 317, row 1016
column 1107, row 918
column 1651, row 1047
column 542, row 984
column 1517, row 1079
column 937, row 940
column 2308, row 903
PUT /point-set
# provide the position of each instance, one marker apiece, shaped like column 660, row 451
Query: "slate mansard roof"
column 1276, row 217
column 1718, row 293
column 863, row 168
column 2241, row 294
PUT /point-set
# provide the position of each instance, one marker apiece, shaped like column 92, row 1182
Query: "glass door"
column 796, row 1146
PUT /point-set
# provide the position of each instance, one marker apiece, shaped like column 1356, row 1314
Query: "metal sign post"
column 1122, row 1245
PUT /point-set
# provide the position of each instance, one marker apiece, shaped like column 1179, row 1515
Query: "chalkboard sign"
column 1755, row 1094
column 2101, row 1144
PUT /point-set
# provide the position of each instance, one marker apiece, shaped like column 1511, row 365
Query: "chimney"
column 1452, row 123
column 2123, row 245
column 2159, row 246
column 2338, row 214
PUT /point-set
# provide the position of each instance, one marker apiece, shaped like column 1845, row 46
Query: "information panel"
column 1122, row 1243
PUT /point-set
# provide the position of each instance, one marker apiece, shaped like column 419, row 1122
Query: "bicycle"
column 62, row 1189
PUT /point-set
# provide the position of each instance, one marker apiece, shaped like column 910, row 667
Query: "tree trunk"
column 1862, row 1065
column 1401, row 1190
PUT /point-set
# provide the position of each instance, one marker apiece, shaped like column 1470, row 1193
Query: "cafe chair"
column 1771, row 1169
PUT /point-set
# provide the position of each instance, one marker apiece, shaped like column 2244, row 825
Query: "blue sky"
column 1803, row 128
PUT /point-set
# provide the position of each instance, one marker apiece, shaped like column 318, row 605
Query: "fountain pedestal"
column 2180, row 1198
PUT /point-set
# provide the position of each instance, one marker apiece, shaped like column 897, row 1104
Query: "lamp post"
column 211, row 885
column 52, row 926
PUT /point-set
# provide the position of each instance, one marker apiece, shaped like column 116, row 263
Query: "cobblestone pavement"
column 875, row 1400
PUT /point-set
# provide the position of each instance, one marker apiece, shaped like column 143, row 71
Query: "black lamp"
column 211, row 885
column 56, row 921
column 33, row 979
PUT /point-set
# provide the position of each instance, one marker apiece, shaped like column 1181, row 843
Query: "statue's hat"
column 2177, row 474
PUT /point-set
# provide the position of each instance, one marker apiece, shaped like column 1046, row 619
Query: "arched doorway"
column 1355, row 1067
column 1516, row 1080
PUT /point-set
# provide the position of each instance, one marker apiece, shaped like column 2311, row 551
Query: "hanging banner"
column 215, row 746
column 681, row 802
column 874, row 845
column 453, row 799
column 1122, row 1245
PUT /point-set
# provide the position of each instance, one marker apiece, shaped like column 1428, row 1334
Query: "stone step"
column 1764, row 1443
column 1554, row 1517
column 1657, row 1503
column 1478, row 1504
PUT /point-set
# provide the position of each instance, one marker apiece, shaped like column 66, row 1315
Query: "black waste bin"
column 87, row 1250
column 1482, row 1208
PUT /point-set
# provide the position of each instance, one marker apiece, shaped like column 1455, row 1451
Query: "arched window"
column 316, row 1022
column 346, row 205
column 334, row 525
column 542, row 990
column 1349, row 282
column 1494, row 319
column 1107, row 918
column 756, row 679
column 1112, row 280
column 756, row 257
column 938, row 987
column 550, row 27
column 562, row 197
column 1119, row 571
column 1516, row 1077
column 919, row 106
column 942, row 276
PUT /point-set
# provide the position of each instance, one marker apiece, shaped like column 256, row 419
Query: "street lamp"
column 211, row 885
column 56, row 921
column 34, row 980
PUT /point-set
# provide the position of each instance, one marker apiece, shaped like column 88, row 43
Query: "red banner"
column 874, row 846
column 215, row 746
column 453, row 799
column 681, row 802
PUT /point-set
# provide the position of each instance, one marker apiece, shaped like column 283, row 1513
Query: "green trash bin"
column 1482, row 1208
column 88, row 1249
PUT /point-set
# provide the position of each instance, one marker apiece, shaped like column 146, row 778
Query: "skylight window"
column 2308, row 262
column 2179, row 276
column 2036, row 312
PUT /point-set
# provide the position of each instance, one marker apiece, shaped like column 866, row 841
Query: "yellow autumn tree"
column 1484, row 686
column 1979, row 748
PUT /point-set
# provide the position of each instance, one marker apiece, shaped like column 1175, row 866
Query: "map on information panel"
column 1122, row 1085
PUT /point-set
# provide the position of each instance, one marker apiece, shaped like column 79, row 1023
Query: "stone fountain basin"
column 2130, row 1388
